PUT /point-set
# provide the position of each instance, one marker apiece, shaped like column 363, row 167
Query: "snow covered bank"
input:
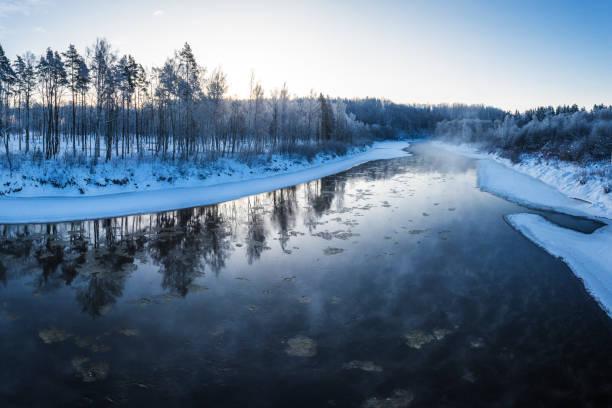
column 554, row 186
column 75, row 176
column 521, row 188
column 545, row 184
column 15, row 210
column 588, row 255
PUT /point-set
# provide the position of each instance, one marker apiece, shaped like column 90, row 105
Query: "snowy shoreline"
column 587, row 255
column 78, row 176
column 58, row 208
column 562, row 176
column 546, row 187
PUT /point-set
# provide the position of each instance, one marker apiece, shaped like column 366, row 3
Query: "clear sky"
column 512, row 54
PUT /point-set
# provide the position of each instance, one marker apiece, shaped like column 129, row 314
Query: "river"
column 395, row 283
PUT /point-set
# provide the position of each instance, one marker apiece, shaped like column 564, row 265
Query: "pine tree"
column 102, row 77
column 7, row 79
column 73, row 65
column 19, row 68
column 27, row 81
column 82, row 86
column 188, row 88
column 128, row 76
column 52, row 76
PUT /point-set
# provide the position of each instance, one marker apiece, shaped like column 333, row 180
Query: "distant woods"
column 566, row 132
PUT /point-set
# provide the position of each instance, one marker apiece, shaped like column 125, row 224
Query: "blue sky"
column 511, row 54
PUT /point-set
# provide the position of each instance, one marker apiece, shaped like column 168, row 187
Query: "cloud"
column 158, row 13
column 40, row 29
column 9, row 7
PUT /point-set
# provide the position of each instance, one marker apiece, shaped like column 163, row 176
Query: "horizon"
column 546, row 57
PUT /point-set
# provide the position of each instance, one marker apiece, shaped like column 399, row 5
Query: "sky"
column 510, row 54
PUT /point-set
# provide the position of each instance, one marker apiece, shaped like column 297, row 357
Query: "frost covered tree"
column 101, row 63
column 565, row 132
column 127, row 77
column 73, row 67
column 27, row 84
column 188, row 88
column 257, row 96
column 216, row 89
column 19, row 68
column 7, row 79
column 327, row 119
column 52, row 79
column 82, row 87
column 166, row 95
column 180, row 111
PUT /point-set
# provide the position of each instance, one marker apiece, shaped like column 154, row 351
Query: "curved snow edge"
column 21, row 210
column 559, row 176
column 587, row 255
column 505, row 182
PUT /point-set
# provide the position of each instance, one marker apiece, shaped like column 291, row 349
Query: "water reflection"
column 256, row 233
column 341, row 285
column 97, row 257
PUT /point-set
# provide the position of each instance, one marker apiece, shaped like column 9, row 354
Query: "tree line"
column 387, row 119
column 103, row 105
column 566, row 132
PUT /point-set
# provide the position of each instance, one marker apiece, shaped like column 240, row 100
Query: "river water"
column 396, row 283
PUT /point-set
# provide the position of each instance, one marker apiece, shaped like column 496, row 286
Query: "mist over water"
column 397, row 281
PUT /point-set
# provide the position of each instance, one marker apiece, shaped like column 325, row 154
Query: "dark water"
column 394, row 284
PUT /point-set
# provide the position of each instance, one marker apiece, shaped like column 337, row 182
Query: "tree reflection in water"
column 284, row 207
column 96, row 258
column 256, row 229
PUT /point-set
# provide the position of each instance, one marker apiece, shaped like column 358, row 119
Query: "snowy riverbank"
column 49, row 204
column 587, row 184
column 555, row 187
column 587, row 255
column 70, row 176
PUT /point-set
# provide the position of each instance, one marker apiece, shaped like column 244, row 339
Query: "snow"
column 588, row 255
column 552, row 185
column 521, row 188
column 67, row 175
column 584, row 183
column 32, row 208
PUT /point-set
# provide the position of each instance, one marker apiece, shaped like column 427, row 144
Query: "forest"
column 567, row 133
column 102, row 105
column 97, row 105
